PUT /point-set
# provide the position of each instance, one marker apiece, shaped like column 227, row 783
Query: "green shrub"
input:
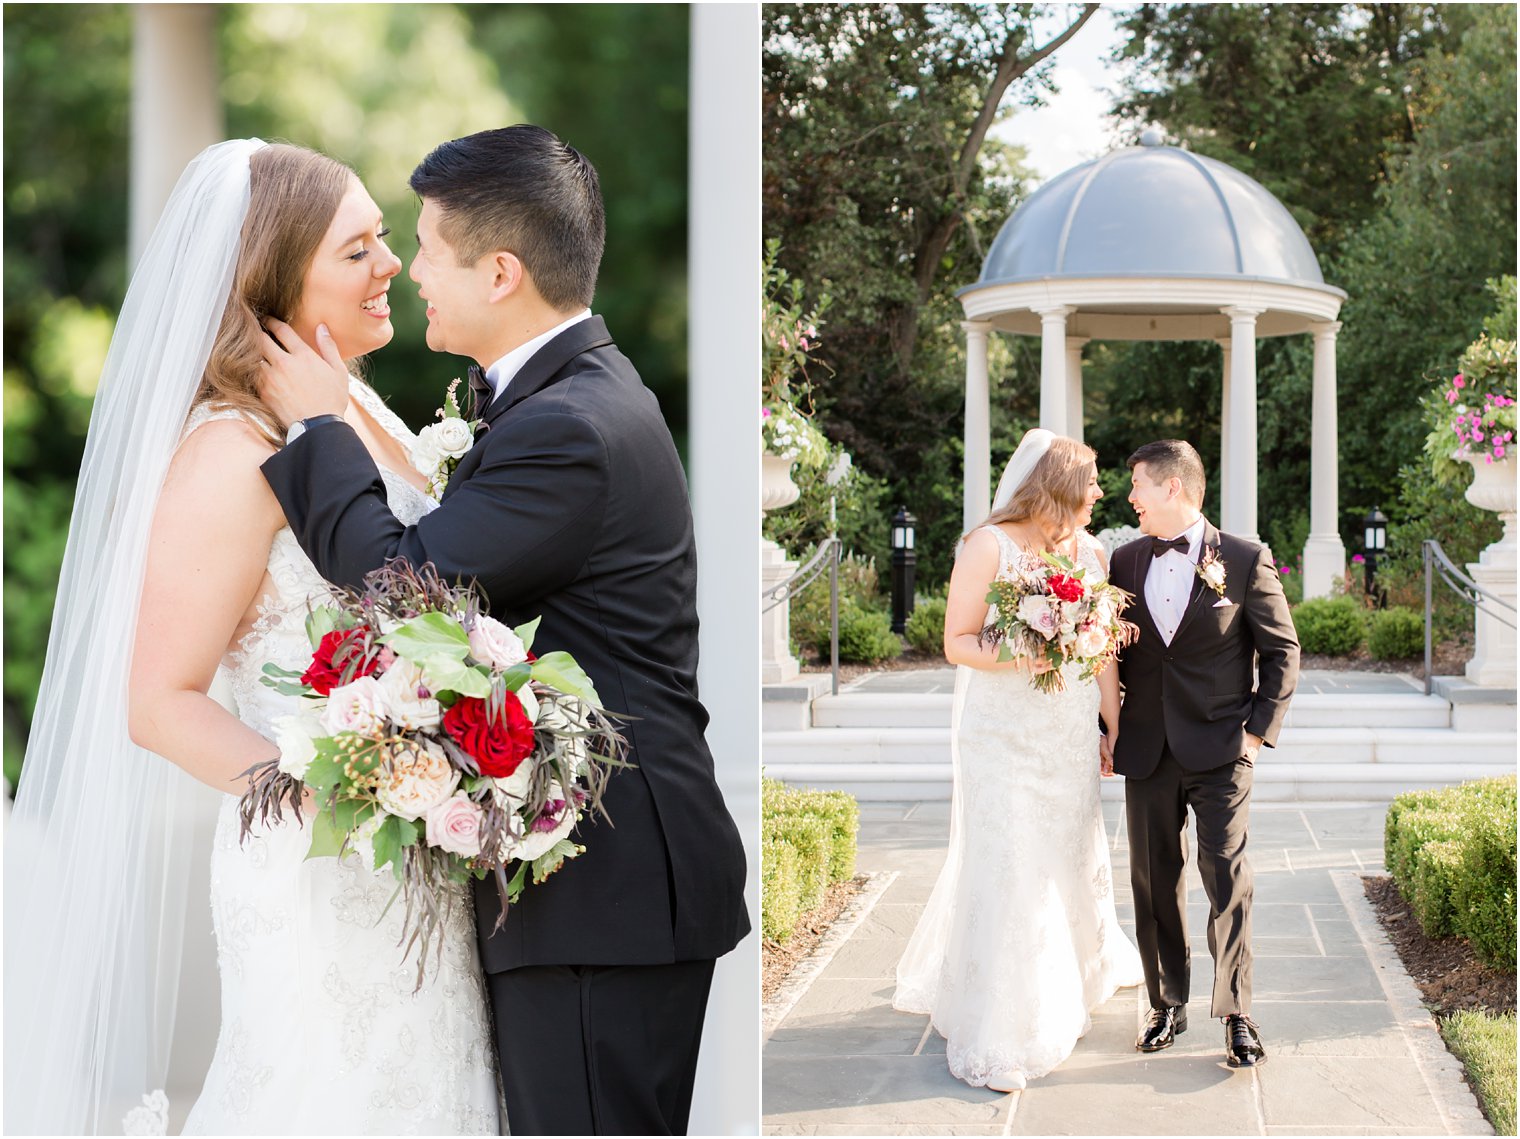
column 808, row 836
column 809, row 610
column 1333, row 626
column 1437, row 866
column 865, row 636
column 841, row 815
column 1402, row 805
column 780, row 890
column 1396, row 633
column 1483, row 891
column 1416, row 828
column 925, row 629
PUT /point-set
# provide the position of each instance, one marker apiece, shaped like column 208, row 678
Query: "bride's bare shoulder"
column 218, row 460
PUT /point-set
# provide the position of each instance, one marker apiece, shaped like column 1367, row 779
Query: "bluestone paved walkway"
column 1352, row 1052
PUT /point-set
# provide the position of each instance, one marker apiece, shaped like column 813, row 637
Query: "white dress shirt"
column 1169, row 584
column 500, row 373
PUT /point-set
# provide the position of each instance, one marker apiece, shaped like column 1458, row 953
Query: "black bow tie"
column 480, row 387
column 1159, row 547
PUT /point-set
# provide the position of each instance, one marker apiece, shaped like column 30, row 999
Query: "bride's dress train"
column 1020, row 940
column 321, row 1030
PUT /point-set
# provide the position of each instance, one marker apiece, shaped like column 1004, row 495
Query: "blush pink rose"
column 454, row 826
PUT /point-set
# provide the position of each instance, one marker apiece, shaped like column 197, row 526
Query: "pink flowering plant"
column 789, row 336
column 1472, row 416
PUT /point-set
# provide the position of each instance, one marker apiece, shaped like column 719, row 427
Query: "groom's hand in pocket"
column 296, row 382
column 1253, row 746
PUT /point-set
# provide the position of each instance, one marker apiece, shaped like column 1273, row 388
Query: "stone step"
column 1274, row 782
column 1310, row 746
column 1308, row 710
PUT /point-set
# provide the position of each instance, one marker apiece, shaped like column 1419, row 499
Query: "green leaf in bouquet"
column 516, row 676
column 527, row 631
column 325, row 770
column 409, row 833
column 326, row 837
column 387, row 842
column 515, row 886
column 443, row 674
column 553, row 858
column 320, row 622
column 428, row 637
column 559, row 670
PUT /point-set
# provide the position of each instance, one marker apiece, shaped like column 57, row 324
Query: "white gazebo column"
column 1238, row 507
column 977, row 462
column 1324, row 554
column 1224, row 427
column 176, row 107
column 1053, row 367
column 1074, row 346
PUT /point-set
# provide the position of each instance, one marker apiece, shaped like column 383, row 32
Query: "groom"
column 1211, row 611
column 571, row 505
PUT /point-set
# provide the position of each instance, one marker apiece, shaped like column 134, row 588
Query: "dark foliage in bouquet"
column 432, row 740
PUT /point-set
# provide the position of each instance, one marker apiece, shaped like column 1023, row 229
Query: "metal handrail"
column 828, row 551
column 1463, row 586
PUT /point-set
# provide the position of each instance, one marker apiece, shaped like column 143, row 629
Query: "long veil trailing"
column 919, row 968
column 95, row 873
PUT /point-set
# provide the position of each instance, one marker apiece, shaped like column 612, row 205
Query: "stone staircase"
column 1338, row 744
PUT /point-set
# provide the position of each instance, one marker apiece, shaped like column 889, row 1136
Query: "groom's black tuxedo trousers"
column 1230, row 668
column 572, row 506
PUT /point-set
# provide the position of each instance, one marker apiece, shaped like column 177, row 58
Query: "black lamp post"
column 1374, row 542
column 903, row 561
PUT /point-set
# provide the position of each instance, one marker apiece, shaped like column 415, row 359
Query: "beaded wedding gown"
column 1020, row 940
column 321, row 1030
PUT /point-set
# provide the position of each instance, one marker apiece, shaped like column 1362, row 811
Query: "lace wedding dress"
column 321, row 1030
column 1020, row 941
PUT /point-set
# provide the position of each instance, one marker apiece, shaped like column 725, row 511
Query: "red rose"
column 499, row 745
column 334, row 653
column 1064, row 587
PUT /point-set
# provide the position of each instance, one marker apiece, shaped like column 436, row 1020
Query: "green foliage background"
column 374, row 85
column 1387, row 130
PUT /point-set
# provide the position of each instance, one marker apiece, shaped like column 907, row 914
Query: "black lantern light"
column 903, row 561
column 1374, row 543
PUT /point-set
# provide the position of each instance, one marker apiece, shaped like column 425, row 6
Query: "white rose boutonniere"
column 1211, row 569
column 441, row 445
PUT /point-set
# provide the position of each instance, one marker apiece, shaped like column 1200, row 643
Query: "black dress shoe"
column 1162, row 1029
column 1242, row 1042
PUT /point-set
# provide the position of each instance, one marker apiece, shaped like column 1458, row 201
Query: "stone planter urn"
column 777, row 490
column 1493, row 488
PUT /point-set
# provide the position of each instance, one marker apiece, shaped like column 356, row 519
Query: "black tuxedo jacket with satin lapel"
column 572, row 505
column 1197, row 694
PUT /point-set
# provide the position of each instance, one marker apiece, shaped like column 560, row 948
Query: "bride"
column 179, row 565
column 1020, row 941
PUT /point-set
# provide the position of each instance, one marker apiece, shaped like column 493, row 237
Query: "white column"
column 1053, row 367
column 1324, row 553
column 1493, row 660
column 724, row 452
column 977, row 464
column 176, row 106
column 1074, row 346
column 1224, row 425
column 1238, row 507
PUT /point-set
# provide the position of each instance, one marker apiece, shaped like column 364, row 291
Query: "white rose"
column 494, row 644
column 426, row 455
column 1091, row 641
column 420, row 778
column 1035, row 612
column 452, row 437
column 359, row 707
column 1213, row 575
column 537, row 843
column 1103, row 612
column 408, row 710
column 294, row 735
column 515, row 786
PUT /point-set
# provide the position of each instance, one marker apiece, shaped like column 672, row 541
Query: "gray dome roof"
column 1151, row 211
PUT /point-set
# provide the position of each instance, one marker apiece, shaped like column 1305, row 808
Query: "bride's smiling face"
column 1094, row 492
column 346, row 286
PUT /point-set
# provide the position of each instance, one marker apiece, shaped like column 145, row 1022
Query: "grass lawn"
column 1486, row 1045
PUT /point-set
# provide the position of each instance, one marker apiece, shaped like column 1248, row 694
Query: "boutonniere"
column 1211, row 569
column 441, row 445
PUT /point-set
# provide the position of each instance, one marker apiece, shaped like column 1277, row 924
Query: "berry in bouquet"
column 1054, row 614
column 433, row 741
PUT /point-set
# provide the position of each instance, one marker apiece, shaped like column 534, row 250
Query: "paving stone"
column 1340, row 937
column 889, row 919
column 1331, row 1091
column 1162, row 1094
column 1316, row 979
column 866, row 1032
column 877, row 1129
column 865, row 959
column 885, row 1092
column 1330, row 1028
column 910, row 890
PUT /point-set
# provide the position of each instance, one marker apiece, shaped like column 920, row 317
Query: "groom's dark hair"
column 1173, row 458
column 521, row 189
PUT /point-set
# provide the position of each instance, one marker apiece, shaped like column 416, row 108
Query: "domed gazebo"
column 1155, row 243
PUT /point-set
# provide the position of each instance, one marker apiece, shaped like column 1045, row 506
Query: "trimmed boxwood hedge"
column 807, row 841
column 1452, row 855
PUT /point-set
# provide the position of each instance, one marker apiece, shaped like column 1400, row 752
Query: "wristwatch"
column 303, row 425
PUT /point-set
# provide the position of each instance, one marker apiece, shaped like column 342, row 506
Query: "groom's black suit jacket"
column 1197, row 695
column 572, row 506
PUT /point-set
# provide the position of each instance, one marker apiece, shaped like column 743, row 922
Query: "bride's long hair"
column 293, row 196
column 1053, row 493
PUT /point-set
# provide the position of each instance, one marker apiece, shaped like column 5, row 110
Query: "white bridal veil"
column 95, row 885
column 918, row 970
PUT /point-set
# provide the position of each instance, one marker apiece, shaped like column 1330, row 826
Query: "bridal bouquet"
column 434, row 742
column 1054, row 614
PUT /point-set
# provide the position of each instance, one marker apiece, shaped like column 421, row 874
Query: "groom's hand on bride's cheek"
column 296, row 382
